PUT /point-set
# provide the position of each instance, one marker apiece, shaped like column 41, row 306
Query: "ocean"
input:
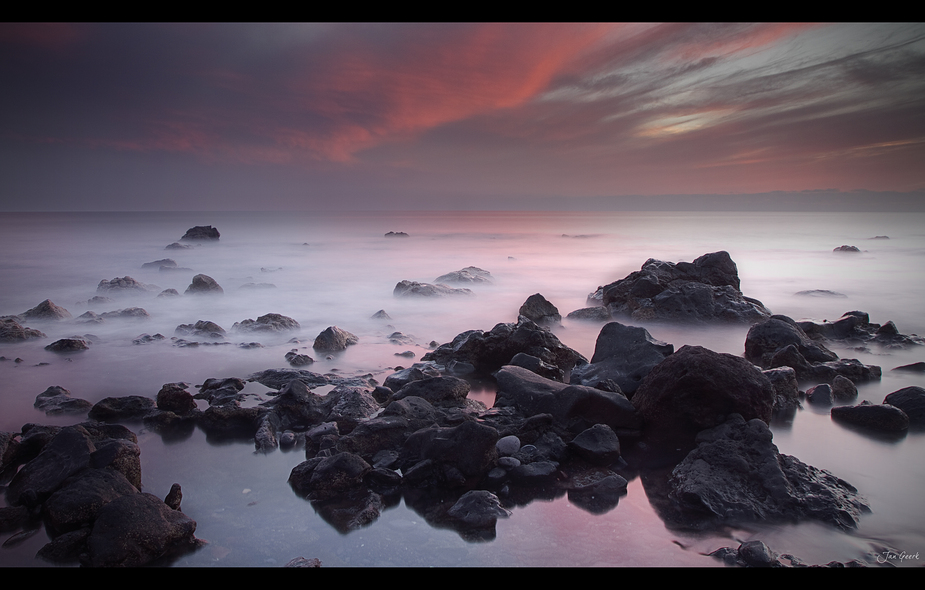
column 325, row 269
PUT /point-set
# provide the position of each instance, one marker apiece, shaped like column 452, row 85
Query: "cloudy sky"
column 454, row 116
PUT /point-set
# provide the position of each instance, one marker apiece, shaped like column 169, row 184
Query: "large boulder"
column 766, row 338
column 736, row 475
column 696, row 388
column 136, row 529
column 702, row 291
column 623, row 354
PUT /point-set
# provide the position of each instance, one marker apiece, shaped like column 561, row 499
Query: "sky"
column 245, row 117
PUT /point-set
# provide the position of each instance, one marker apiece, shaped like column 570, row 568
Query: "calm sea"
column 339, row 269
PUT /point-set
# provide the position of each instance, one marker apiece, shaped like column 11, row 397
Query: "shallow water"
column 338, row 269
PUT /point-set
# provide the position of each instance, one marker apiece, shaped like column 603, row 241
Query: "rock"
column 124, row 285
column 912, row 367
column 12, row 331
column 380, row 315
column 203, row 284
column 846, row 248
column 324, row 478
column 271, row 322
column 78, row 502
column 478, row 509
column 133, row 313
column 883, row 417
column 58, row 400
column 333, row 339
column 855, row 327
column 736, row 475
column 597, row 492
column 201, row 232
column 458, row 453
column 696, row 388
column 68, row 345
column 436, row 390
column 67, row 452
column 820, row 395
column 298, row 360
column 786, row 389
column 910, row 400
column 766, row 338
column 129, row 407
column 168, row 293
column 164, row 262
column 591, row 314
column 843, row 389
column 174, row 397
column 417, row 371
column 46, row 310
column 201, row 329
column 415, row 289
column 174, row 497
column 598, row 445
column 821, row 293
column 624, row 354
column 706, row 290
column 536, row 365
column 396, row 234
column 136, row 529
column 470, row 274
column 177, row 246
column 487, row 352
column 574, row 407
column 541, row 311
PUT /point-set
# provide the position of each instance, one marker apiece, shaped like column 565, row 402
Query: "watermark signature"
column 885, row 556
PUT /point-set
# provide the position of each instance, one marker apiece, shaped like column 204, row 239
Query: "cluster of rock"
column 855, row 328
column 84, row 482
column 757, row 554
column 704, row 290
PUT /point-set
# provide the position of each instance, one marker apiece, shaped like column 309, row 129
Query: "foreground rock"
column 415, row 289
column 696, row 388
column 623, row 355
column 736, row 475
column 486, row 352
column 705, row 290
column 201, row 232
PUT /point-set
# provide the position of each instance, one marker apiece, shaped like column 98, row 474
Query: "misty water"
column 339, row 269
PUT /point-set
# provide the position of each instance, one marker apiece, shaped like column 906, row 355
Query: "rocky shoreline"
column 691, row 423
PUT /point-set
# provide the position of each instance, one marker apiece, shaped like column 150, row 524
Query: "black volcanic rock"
column 201, row 232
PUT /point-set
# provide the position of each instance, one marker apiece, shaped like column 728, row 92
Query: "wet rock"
column 489, row 351
column 624, row 354
column 415, row 372
column 536, row 365
column 736, row 475
column 597, row 492
column 696, row 388
column 912, row 367
column 58, row 400
column 910, row 400
column 68, row 345
column 271, row 322
column 46, row 310
column 415, row 289
column 455, row 455
column 591, row 314
column 324, row 478
column 333, row 339
column 843, row 389
column 78, row 502
column 136, row 529
column 541, row 311
column 130, row 407
column 786, row 389
column 574, row 407
column 882, row 417
column 164, row 262
column 201, row 232
column 298, row 360
column 436, row 390
column 201, row 329
column 12, row 331
column 765, row 339
column 478, row 509
column 703, row 291
column 204, row 284
column 174, row 397
column 124, row 285
column 820, row 395
column 846, row 248
column 470, row 274
column 598, row 445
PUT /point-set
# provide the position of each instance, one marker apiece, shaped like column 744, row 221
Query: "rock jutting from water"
column 705, row 290
column 415, row 289
column 540, row 310
column 124, row 285
column 201, row 232
column 204, row 284
column 12, row 331
column 470, row 274
column 46, row 310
